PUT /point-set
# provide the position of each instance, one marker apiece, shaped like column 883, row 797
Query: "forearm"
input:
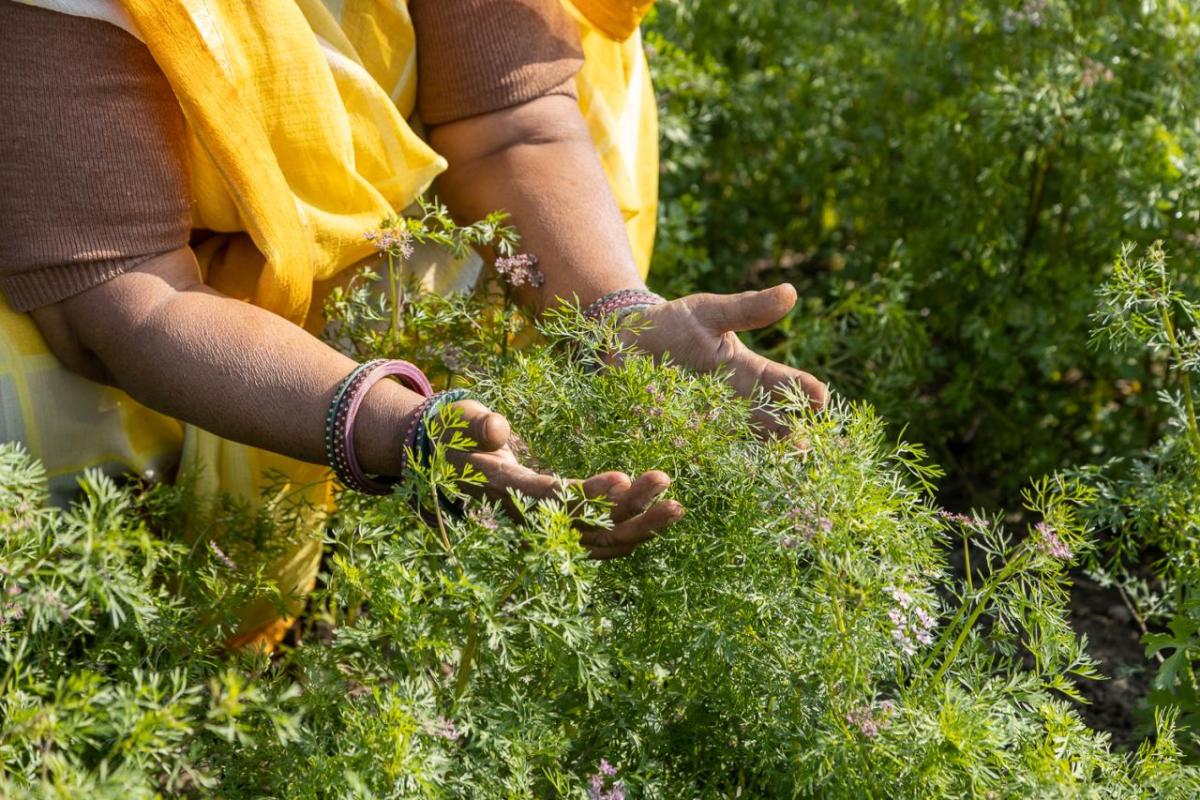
column 537, row 162
column 229, row 367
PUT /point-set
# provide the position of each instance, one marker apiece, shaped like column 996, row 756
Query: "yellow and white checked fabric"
column 297, row 114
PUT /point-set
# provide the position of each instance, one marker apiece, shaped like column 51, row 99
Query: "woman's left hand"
column 699, row 331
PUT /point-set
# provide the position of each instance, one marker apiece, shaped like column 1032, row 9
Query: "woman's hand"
column 637, row 514
column 700, row 332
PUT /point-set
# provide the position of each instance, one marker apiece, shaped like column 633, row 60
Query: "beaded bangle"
column 414, row 428
column 423, row 449
column 339, row 422
column 622, row 302
column 336, row 418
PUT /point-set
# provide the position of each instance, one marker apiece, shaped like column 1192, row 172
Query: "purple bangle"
column 626, row 300
column 335, row 420
column 347, row 403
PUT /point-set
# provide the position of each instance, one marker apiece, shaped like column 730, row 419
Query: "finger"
column 489, row 430
column 746, row 311
column 752, row 371
column 625, row 538
column 610, row 486
column 607, row 485
column 641, row 494
column 818, row 393
column 777, row 377
column 526, row 481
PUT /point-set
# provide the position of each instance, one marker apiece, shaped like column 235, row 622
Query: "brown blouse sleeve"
column 477, row 56
column 93, row 169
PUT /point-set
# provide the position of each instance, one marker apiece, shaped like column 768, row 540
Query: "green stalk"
column 1184, row 378
column 989, row 589
column 966, row 541
column 394, row 287
column 472, row 645
column 468, row 658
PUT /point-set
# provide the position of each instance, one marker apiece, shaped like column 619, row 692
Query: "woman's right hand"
column 637, row 514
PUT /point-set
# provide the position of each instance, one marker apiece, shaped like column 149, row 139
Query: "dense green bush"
column 945, row 182
column 1150, row 500
column 797, row 634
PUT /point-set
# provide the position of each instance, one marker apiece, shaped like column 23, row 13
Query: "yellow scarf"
column 298, row 131
column 617, row 19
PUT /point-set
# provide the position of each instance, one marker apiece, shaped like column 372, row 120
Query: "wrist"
column 362, row 429
column 621, row 303
column 390, row 411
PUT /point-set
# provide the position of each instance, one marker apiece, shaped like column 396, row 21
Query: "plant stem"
column 472, row 645
column 468, row 657
column 441, row 525
column 504, row 323
column 987, row 591
column 966, row 541
column 1184, row 379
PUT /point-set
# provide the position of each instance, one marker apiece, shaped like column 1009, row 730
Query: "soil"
column 1114, row 639
column 1116, row 703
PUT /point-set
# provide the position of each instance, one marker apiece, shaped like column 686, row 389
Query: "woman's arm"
column 536, row 161
column 246, row 374
column 185, row 350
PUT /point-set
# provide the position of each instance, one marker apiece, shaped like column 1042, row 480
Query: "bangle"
column 622, row 302
column 339, row 422
column 423, row 445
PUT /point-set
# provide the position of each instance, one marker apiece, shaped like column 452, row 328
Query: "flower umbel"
column 520, row 270
column 912, row 626
column 445, row 729
column 603, row 784
column 809, row 523
column 1047, row 541
column 394, row 239
column 871, row 719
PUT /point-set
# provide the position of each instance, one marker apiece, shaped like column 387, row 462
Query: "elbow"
column 99, row 332
column 546, row 120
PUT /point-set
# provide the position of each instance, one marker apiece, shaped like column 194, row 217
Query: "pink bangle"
column 623, row 300
column 344, row 411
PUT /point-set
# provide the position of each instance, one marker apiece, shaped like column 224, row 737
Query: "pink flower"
column 1047, row 541
column 911, row 624
column 602, row 786
column 454, row 358
column 807, row 523
column 445, row 729
column 1095, row 72
column 394, row 239
column 520, row 270
column 871, row 719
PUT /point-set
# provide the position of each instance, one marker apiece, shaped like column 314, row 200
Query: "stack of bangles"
column 343, row 411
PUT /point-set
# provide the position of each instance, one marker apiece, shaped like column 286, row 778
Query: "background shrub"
column 946, row 183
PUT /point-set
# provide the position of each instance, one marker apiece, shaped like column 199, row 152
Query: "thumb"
column 747, row 311
column 489, row 430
